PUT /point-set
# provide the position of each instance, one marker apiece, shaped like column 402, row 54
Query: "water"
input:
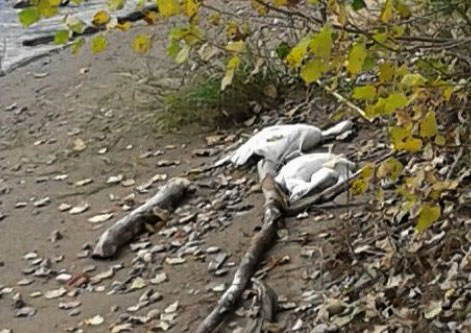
column 13, row 54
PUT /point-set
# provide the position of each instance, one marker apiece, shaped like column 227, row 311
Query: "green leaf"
column 173, row 48
column 282, row 50
column 358, row 4
column 61, row 37
column 313, row 70
column 321, row 44
column 428, row 215
column 183, row 54
column 99, row 44
column 356, row 57
column 428, row 126
column 364, row 93
column 29, row 16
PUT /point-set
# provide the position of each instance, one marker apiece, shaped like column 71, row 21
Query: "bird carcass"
column 280, row 143
column 313, row 173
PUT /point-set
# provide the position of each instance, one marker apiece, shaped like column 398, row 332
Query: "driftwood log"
column 90, row 30
column 125, row 229
column 261, row 242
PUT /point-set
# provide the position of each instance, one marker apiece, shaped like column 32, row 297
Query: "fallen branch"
column 248, row 265
column 90, row 30
column 132, row 224
column 344, row 100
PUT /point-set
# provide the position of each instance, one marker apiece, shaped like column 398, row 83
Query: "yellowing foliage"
column 313, row 70
column 168, row 7
column 297, row 53
column 364, row 93
column 428, row 126
column 356, row 58
column 321, row 44
column 141, row 44
column 190, row 8
column 101, row 17
column 429, row 213
column 231, row 67
column 99, row 44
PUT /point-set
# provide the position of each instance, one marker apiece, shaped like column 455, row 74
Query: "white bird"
column 281, row 143
column 313, row 172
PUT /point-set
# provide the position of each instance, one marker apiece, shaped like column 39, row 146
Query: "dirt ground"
column 64, row 119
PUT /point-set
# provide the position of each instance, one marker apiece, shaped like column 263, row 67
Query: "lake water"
column 13, row 54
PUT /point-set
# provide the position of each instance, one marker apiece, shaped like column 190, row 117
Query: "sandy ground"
column 56, row 104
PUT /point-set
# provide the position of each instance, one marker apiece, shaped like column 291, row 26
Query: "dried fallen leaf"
column 95, row 321
column 79, row 209
column 100, row 218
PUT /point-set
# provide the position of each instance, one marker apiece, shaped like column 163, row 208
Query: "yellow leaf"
column 321, row 44
column 413, row 80
column 387, row 11
column 125, row 26
column 168, row 7
column 429, row 213
column 364, row 93
column 279, row 3
column 190, row 7
column 237, row 47
column 446, row 93
column 367, row 171
column 312, row 70
column 391, row 168
column 141, row 44
column 151, row 17
column 386, row 72
column 356, row 58
column 297, row 53
column 46, row 10
column 99, row 44
column 260, row 8
column 359, row 186
column 101, row 17
column 394, row 101
column 54, row 3
column 412, row 145
column 440, row 140
column 232, row 65
column 428, row 126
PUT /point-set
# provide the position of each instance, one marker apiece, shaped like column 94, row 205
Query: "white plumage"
column 281, row 143
column 313, row 172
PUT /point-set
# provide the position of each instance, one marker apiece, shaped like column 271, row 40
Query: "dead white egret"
column 280, row 143
column 313, row 172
